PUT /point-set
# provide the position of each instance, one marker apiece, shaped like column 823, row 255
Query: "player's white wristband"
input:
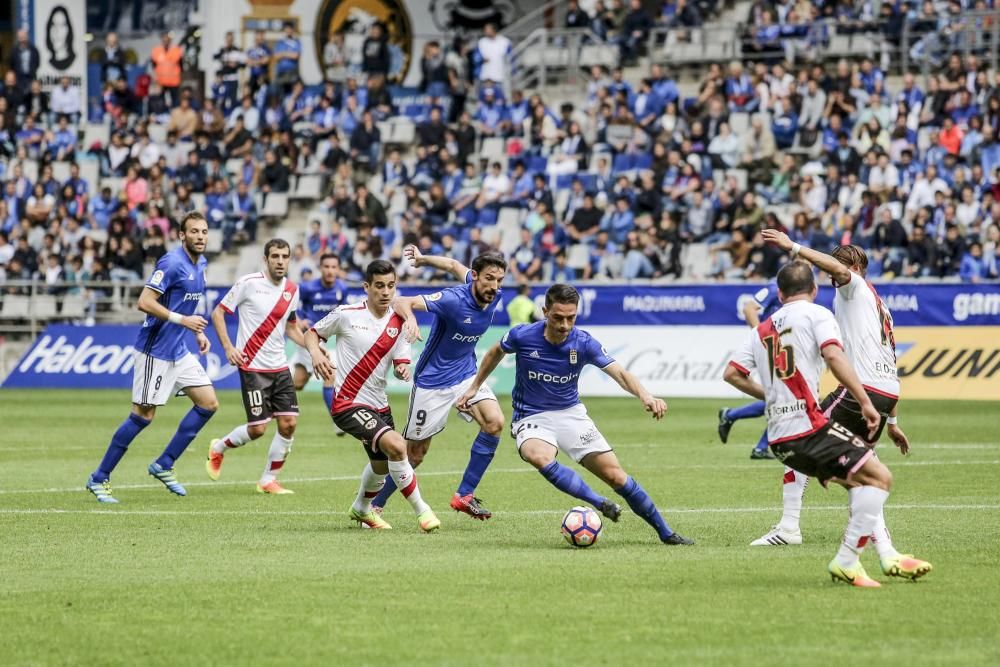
column 890, row 420
column 174, row 318
column 795, row 250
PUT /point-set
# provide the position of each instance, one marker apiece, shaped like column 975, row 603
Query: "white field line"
column 439, row 473
column 668, row 511
column 55, row 449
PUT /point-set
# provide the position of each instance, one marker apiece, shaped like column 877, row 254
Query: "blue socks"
column 122, row 438
column 568, row 481
column 643, row 505
column 328, row 396
column 483, row 449
column 748, row 411
column 762, row 443
column 383, row 496
column 193, row 421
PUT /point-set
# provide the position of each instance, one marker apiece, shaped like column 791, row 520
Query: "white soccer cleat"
column 776, row 537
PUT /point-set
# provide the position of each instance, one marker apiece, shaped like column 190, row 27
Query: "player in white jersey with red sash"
column 265, row 303
column 369, row 346
column 788, row 352
column 870, row 345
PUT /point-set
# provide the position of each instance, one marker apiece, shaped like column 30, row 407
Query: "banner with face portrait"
column 60, row 35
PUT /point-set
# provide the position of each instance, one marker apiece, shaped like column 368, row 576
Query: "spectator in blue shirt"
column 258, row 59
column 973, row 267
column 287, row 52
column 103, row 208
column 492, row 119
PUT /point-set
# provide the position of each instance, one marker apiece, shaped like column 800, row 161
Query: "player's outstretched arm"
column 751, row 312
column 631, row 384
column 418, row 260
column 840, row 273
column 234, row 355
column 743, row 382
column 321, row 362
column 404, row 307
column 149, row 303
column 489, row 364
column 845, row 374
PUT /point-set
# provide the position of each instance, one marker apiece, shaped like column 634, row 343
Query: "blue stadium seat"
column 537, row 164
column 642, row 161
column 565, row 181
column 487, row 217
column 622, row 163
column 589, row 181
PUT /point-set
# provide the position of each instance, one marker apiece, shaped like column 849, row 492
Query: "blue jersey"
column 317, row 301
column 450, row 354
column 547, row 375
column 181, row 284
column 767, row 298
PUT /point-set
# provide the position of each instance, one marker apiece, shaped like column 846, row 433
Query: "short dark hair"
column 561, row 293
column 796, row 278
column 275, row 243
column 849, row 255
column 489, row 258
column 379, row 267
column 328, row 255
column 191, row 215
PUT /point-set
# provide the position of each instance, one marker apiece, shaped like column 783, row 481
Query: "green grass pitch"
column 226, row 576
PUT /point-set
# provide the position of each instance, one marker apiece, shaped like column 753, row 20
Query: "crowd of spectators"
column 636, row 181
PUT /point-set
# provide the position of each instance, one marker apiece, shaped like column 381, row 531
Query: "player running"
column 870, row 345
column 265, row 302
column 317, row 298
column 549, row 417
column 448, row 364
column 369, row 344
column 163, row 364
column 789, row 351
column 764, row 303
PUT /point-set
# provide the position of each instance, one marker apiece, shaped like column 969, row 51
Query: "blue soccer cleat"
column 167, row 477
column 101, row 490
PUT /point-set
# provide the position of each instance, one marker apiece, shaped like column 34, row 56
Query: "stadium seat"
column 696, row 259
column 739, row 122
column 157, row 133
column 509, row 225
column 619, row 133
column 403, row 131
column 276, row 205
column 493, row 149
column 561, row 203
column 60, row 171
column 90, row 171
column 578, row 256
column 74, row 307
column 597, row 54
column 115, row 183
column 309, row 186
column 642, row 161
column 235, row 166
column 15, row 307
column 95, row 134
column 487, row 217
column 564, row 181
column 622, row 163
column 198, row 199
column 30, row 169
column 595, row 159
column 214, row 244
column 537, row 164
column 489, row 235
column 44, row 307
column 741, row 177
column 589, row 181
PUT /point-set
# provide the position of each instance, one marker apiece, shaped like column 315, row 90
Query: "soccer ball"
column 581, row 527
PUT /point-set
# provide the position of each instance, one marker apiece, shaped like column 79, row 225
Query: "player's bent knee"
column 393, row 446
column 147, row 412
column 286, row 426
column 494, row 426
column 256, row 430
column 537, row 453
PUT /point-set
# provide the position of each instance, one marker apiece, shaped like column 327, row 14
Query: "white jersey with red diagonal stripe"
column 868, row 336
column 367, row 350
column 786, row 350
column 264, row 311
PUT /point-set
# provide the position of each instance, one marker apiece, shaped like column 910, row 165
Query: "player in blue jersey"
column 164, row 366
column 317, row 299
column 549, row 417
column 447, row 365
column 764, row 304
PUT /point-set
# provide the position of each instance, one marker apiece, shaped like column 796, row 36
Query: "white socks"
column 792, row 490
column 882, row 540
column 239, row 437
column 371, row 484
column 276, row 455
column 406, row 482
column 866, row 508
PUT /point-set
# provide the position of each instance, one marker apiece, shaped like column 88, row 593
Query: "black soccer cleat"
column 725, row 425
column 676, row 539
column 611, row 510
column 761, row 454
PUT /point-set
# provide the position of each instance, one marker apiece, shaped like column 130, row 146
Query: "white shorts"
column 429, row 408
column 302, row 358
column 155, row 380
column 571, row 431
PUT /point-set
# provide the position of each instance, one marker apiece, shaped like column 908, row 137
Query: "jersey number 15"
column 780, row 359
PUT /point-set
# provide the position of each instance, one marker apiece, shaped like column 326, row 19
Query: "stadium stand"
column 590, row 147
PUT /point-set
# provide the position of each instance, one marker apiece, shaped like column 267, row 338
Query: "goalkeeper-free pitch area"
column 227, row 576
